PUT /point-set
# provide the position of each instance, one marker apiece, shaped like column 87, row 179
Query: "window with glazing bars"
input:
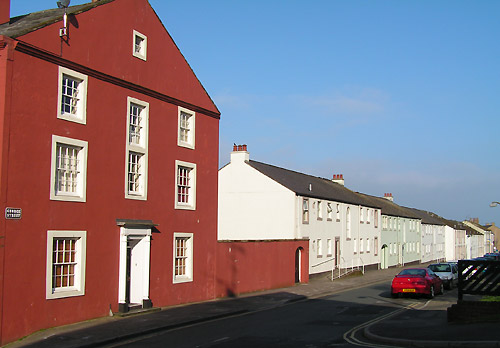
column 305, row 210
column 68, row 169
column 64, row 262
column 135, row 124
column 183, row 184
column 134, row 172
column 181, row 256
column 70, row 99
column 139, row 43
column 185, row 127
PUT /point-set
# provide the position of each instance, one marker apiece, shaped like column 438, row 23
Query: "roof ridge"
column 24, row 24
column 291, row 170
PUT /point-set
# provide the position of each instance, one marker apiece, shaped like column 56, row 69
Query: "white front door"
column 137, row 268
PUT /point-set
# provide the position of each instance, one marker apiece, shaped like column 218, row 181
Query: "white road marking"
column 350, row 336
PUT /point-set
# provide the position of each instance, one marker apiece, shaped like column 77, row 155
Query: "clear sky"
column 398, row 96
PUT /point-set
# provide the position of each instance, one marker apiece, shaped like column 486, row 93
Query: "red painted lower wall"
column 246, row 266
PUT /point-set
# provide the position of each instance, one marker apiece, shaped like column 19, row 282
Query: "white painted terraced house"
column 432, row 247
column 258, row 201
column 400, row 234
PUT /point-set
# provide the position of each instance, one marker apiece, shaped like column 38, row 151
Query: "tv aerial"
column 63, row 3
column 63, row 32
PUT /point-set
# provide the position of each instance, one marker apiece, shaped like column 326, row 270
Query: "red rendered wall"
column 258, row 265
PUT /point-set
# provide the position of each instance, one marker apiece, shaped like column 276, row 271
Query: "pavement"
column 432, row 330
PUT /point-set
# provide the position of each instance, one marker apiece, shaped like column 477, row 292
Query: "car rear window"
column 417, row 272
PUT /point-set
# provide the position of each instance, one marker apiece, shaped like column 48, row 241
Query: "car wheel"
column 431, row 292
column 394, row 295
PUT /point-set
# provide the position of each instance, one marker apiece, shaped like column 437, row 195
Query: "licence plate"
column 408, row 290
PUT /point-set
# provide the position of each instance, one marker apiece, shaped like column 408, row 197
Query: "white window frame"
column 329, row 247
column 329, row 211
column 142, row 54
column 191, row 204
column 188, row 277
column 81, row 114
column 320, row 248
column 190, row 143
column 320, row 210
column 78, row 289
column 81, row 195
column 348, row 223
column 338, row 212
column 305, row 210
column 361, row 246
column 140, row 149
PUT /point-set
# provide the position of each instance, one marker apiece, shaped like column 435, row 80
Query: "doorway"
column 133, row 288
column 298, row 266
column 337, row 252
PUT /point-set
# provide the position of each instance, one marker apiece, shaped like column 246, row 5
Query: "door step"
column 136, row 309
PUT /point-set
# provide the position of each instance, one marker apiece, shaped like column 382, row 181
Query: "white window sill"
column 62, row 293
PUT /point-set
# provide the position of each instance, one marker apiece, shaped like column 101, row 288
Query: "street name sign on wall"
column 13, row 213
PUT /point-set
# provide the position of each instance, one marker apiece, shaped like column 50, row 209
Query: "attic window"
column 140, row 45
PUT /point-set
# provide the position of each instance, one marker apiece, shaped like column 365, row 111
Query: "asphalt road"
column 331, row 321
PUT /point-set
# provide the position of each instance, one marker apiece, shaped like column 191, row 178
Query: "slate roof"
column 391, row 208
column 428, row 217
column 22, row 25
column 321, row 188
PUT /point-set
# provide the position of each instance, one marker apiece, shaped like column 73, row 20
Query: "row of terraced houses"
column 112, row 194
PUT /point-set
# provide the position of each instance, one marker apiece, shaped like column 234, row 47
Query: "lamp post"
column 494, row 204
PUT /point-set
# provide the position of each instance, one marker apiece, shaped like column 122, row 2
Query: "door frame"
column 298, row 264
column 143, row 235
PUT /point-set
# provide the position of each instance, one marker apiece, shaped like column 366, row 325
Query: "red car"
column 416, row 281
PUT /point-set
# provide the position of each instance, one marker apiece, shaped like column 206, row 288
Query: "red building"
column 108, row 167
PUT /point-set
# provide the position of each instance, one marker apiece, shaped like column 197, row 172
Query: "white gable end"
column 252, row 206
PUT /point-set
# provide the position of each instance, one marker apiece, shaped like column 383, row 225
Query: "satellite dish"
column 63, row 3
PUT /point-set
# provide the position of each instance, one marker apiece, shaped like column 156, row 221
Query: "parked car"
column 416, row 281
column 447, row 272
column 492, row 256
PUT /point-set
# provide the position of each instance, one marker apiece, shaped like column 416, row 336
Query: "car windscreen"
column 440, row 268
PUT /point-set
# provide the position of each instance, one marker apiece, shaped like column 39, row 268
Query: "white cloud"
column 355, row 102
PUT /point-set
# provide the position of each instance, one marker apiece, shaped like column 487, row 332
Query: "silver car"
column 448, row 272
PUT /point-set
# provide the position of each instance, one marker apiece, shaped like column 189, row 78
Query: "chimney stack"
column 4, row 11
column 338, row 178
column 240, row 154
column 389, row 197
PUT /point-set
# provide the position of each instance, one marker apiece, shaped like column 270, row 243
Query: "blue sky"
column 399, row 96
